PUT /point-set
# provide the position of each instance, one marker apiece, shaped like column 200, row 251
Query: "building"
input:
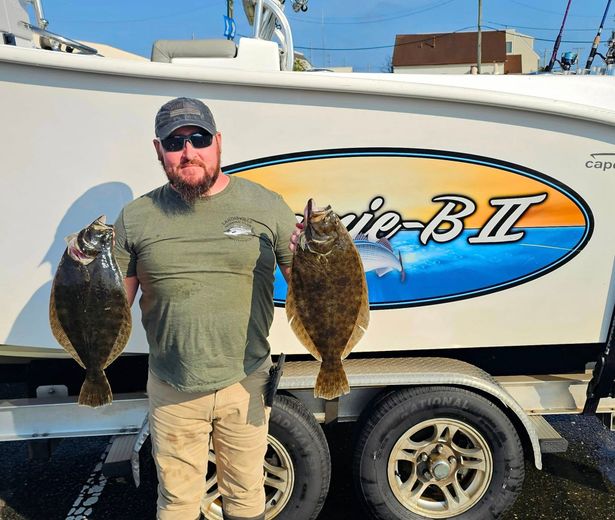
column 502, row 52
column 522, row 45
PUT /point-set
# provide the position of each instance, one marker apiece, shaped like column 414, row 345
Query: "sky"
column 333, row 33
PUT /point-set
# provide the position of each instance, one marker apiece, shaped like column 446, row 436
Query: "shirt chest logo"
column 238, row 228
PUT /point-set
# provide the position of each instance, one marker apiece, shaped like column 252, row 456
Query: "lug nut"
column 452, row 460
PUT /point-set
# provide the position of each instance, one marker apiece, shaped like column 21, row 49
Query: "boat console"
column 270, row 49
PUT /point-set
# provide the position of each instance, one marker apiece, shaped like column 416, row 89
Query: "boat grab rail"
column 44, row 33
column 41, row 30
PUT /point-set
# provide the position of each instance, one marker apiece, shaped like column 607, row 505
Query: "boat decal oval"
column 433, row 226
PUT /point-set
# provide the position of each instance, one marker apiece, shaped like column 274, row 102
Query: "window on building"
column 508, row 47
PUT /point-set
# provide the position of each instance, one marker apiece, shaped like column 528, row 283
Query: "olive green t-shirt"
column 206, row 274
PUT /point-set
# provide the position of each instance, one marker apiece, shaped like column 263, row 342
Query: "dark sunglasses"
column 175, row 143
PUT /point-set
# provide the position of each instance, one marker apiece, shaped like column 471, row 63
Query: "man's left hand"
column 295, row 236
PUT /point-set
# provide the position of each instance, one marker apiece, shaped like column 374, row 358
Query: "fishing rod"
column 558, row 40
column 594, row 50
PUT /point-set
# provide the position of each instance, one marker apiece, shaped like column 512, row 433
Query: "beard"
column 192, row 190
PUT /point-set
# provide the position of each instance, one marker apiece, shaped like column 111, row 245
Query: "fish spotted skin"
column 327, row 303
column 88, row 309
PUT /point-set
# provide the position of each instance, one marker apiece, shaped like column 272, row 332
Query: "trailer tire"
column 295, row 427
column 437, row 452
column 297, row 466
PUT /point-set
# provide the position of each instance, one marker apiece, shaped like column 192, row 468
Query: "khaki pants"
column 181, row 424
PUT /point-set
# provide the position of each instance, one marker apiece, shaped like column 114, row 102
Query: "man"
column 203, row 249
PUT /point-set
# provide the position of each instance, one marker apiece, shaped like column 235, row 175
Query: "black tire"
column 303, row 439
column 367, row 412
column 297, row 466
column 396, row 438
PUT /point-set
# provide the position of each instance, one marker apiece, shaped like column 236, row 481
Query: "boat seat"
column 165, row 51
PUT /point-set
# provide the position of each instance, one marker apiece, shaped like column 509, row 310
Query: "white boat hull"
column 76, row 142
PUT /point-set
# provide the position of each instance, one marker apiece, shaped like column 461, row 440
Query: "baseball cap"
column 183, row 111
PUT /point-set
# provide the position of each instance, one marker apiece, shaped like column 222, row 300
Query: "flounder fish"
column 88, row 309
column 327, row 304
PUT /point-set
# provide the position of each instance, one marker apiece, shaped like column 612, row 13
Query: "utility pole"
column 478, row 49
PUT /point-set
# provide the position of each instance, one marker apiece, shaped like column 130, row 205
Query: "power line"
column 512, row 25
column 178, row 12
column 431, row 38
column 550, row 12
column 539, row 39
column 404, row 14
column 439, row 35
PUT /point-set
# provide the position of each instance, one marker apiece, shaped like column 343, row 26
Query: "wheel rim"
column 440, row 468
column 279, row 482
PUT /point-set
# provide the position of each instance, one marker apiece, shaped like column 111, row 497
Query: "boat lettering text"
column 601, row 161
column 447, row 223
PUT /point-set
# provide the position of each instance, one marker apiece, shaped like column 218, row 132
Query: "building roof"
column 448, row 48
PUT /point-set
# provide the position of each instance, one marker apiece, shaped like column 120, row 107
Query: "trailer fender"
column 300, row 377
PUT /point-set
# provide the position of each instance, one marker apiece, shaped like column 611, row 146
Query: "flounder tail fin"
column 95, row 390
column 331, row 381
